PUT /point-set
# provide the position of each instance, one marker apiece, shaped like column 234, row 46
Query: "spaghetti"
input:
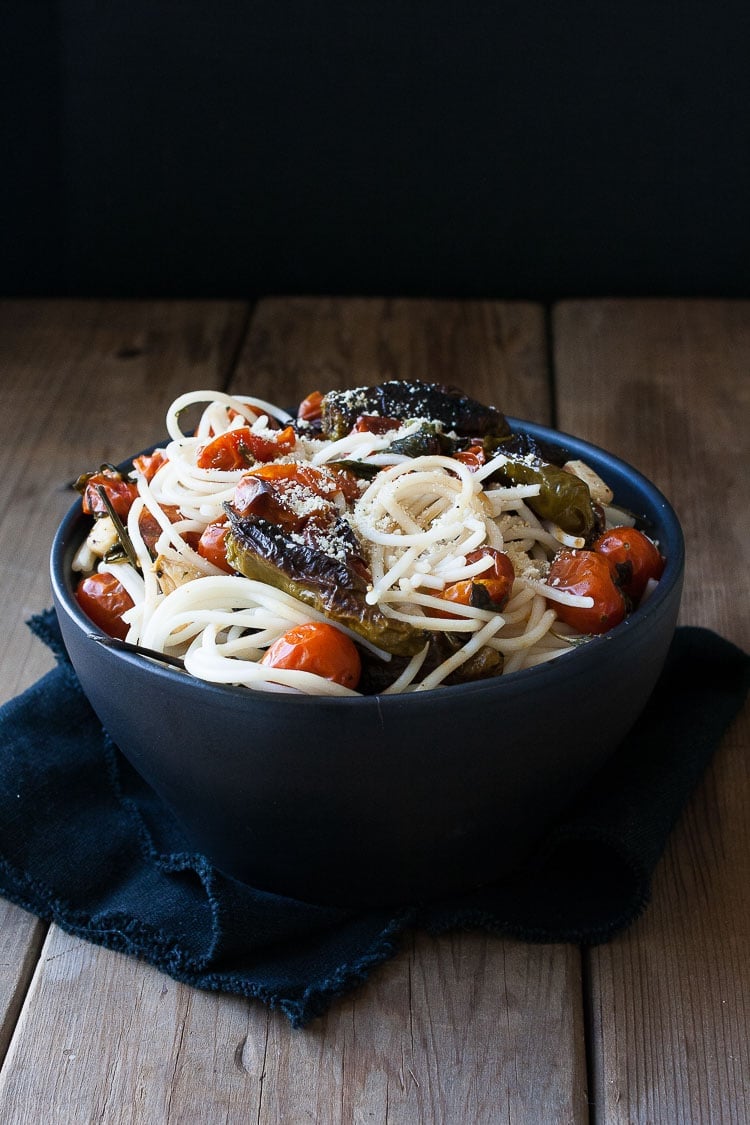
column 417, row 530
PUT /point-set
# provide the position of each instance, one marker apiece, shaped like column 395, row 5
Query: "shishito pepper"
column 563, row 498
column 267, row 553
column 404, row 400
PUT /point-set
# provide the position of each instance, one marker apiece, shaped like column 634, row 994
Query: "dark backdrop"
column 506, row 149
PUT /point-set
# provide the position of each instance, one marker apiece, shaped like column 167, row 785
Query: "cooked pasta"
column 422, row 528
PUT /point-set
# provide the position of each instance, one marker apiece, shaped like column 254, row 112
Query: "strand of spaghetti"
column 563, row 537
column 500, row 499
column 491, row 466
column 547, row 648
column 171, row 533
column 409, row 674
column 553, row 594
column 442, row 607
column 463, row 624
column 478, row 641
column 235, row 593
column 396, row 571
column 362, row 444
column 245, row 405
column 206, row 661
column 529, row 638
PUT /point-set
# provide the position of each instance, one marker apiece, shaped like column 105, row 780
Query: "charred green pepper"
column 403, row 400
column 563, row 498
column 332, row 585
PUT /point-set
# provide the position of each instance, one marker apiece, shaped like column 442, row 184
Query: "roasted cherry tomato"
column 633, row 559
column 311, row 408
column 264, row 499
column 212, row 544
column 149, row 463
column 120, row 493
column 322, row 481
column 236, row 449
column 489, row 590
column 320, row 648
column 375, row 424
column 151, row 529
column 104, row 599
column 473, row 457
column 586, row 573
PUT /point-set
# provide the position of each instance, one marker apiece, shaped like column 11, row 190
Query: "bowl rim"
column 526, row 680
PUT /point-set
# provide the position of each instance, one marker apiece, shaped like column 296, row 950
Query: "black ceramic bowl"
column 392, row 798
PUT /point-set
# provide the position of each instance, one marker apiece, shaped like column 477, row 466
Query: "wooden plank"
column 21, row 938
column 664, row 384
column 103, row 1037
column 82, row 382
column 495, row 351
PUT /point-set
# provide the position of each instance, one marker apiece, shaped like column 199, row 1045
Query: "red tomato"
column 323, row 482
column 310, row 409
column 236, row 449
column 375, row 424
column 257, row 497
column 317, row 647
column 586, row 573
column 149, row 464
column 120, row 493
column 150, row 528
column 473, row 457
column 489, row 590
column 213, row 544
column 104, row 599
column 633, row 559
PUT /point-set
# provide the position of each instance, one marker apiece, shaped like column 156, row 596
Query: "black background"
column 509, row 149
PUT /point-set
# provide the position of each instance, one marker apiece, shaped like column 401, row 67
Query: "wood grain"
column 496, row 351
column 21, row 937
column 82, row 383
column 664, row 384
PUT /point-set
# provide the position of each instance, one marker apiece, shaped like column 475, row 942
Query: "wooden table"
column 653, row 1027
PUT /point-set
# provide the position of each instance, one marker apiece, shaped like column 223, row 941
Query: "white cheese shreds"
column 418, row 525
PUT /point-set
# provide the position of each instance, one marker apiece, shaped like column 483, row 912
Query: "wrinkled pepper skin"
column 405, row 400
column 265, row 552
column 564, row 498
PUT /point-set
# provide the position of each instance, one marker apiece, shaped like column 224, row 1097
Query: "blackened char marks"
column 405, row 400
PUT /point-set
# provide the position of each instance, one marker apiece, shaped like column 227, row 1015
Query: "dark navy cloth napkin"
column 86, row 844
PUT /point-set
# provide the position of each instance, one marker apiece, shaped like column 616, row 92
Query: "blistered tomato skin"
column 120, row 493
column 318, row 648
column 633, row 559
column 311, row 408
column 236, row 449
column 212, row 544
column 104, row 599
column 148, row 464
column 587, row 574
column 489, row 590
